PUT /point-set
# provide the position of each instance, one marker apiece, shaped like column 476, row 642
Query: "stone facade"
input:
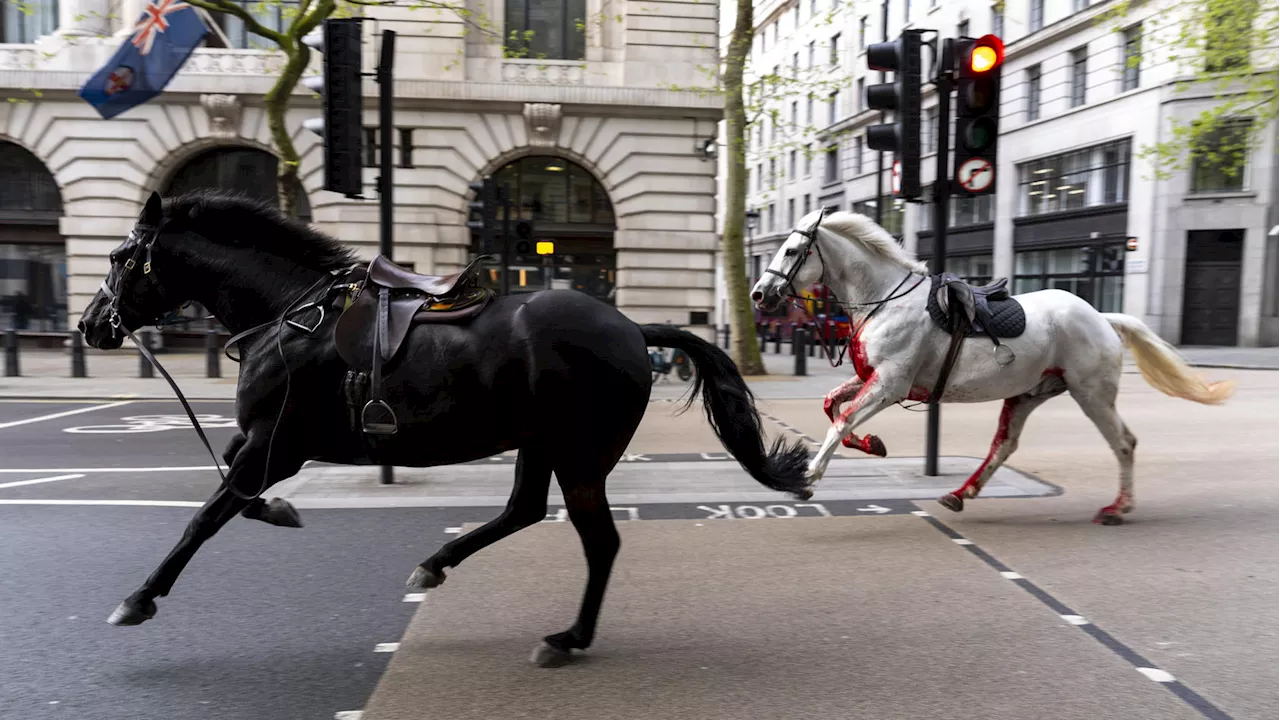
column 470, row 111
column 1045, row 40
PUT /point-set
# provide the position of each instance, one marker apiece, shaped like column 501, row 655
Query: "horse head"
column 793, row 266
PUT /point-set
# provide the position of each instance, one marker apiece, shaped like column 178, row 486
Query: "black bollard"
column 764, row 341
column 77, row 355
column 212, row 358
column 777, row 339
column 799, row 340
column 144, row 367
column 11, row 353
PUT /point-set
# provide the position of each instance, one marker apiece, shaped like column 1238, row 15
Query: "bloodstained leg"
column 1012, row 419
column 870, row 444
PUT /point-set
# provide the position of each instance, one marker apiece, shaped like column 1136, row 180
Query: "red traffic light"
column 986, row 54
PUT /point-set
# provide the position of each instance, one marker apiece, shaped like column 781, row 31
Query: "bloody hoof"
column 548, row 656
column 280, row 512
column 424, row 579
column 954, row 503
column 132, row 612
column 1108, row 516
column 875, row 446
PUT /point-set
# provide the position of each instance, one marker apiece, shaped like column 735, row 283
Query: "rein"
column 117, row 324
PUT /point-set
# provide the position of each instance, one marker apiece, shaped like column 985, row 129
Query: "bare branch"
column 255, row 27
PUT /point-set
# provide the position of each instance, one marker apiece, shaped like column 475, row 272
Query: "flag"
column 166, row 33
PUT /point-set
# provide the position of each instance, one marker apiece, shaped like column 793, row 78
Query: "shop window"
column 1092, row 176
column 1093, row 272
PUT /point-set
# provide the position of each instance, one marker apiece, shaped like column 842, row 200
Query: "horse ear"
column 153, row 211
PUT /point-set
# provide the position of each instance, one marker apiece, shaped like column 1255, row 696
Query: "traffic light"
column 524, row 237
column 486, row 204
column 343, row 102
column 980, row 63
column 902, row 97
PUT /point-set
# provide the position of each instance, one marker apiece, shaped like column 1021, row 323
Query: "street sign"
column 546, row 247
column 1131, row 244
column 975, row 174
column 895, row 184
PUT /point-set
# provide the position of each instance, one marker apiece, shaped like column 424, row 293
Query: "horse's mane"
column 236, row 220
column 861, row 229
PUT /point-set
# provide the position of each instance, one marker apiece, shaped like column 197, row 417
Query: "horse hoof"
column 280, row 512
column 954, row 503
column 1107, row 516
column 424, row 579
column 549, row 656
column 133, row 613
column 876, row 446
column 804, row 494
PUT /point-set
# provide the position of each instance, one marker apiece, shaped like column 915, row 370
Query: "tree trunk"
column 742, row 326
column 277, row 106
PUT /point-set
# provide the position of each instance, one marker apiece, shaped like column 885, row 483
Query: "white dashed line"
column 348, row 715
column 64, row 413
column 386, row 647
column 37, row 481
column 1157, row 674
column 452, row 530
column 1075, row 619
column 415, row 597
column 920, row 513
column 120, row 503
column 1010, row 575
column 961, row 541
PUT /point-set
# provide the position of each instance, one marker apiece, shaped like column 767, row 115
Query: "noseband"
column 148, row 237
column 809, row 245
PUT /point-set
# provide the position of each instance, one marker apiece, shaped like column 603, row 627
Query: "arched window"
column 247, row 170
column 33, row 258
column 547, row 29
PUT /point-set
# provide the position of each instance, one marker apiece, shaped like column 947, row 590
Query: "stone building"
column 602, row 138
column 1072, row 189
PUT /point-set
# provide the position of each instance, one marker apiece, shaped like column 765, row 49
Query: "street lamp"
column 753, row 221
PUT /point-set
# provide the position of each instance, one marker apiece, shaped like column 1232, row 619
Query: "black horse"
column 557, row 375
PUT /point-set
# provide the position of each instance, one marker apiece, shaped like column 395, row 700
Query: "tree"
column 1224, row 50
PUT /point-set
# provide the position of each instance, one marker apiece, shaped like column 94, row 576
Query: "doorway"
column 1211, row 289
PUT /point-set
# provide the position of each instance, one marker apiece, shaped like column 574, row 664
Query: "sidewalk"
column 115, row 375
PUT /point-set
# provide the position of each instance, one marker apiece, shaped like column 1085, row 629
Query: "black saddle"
column 389, row 301
column 965, row 310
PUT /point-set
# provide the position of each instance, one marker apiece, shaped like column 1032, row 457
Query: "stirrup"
column 387, row 424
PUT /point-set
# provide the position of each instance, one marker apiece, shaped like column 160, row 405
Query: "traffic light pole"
column 386, row 164
column 884, row 37
column 941, row 206
column 505, row 251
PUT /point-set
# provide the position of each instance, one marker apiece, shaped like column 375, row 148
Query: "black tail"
column 731, row 410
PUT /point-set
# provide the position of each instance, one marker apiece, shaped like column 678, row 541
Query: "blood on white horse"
column 898, row 353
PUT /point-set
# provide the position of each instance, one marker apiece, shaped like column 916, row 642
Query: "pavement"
column 855, row 605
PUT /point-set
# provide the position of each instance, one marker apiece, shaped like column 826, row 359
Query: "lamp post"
column 753, row 221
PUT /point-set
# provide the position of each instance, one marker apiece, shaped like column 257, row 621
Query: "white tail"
column 1163, row 367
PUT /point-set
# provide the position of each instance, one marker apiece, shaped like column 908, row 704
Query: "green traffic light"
column 979, row 135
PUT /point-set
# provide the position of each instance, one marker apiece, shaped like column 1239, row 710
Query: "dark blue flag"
column 163, row 39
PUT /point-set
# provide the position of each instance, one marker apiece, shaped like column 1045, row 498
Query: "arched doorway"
column 569, row 208
column 242, row 169
column 33, row 256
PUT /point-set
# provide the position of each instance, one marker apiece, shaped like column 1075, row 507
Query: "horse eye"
column 789, row 252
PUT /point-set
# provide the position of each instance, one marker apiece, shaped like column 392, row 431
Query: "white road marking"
column 1157, row 674
column 414, row 597
column 1075, row 619
column 123, row 503
column 386, row 647
column 64, row 413
column 920, row 513
column 452, row 530
column 1010, row 575
column 37, row 481
column 175, row 468
column 348, row 715
column 961, row 541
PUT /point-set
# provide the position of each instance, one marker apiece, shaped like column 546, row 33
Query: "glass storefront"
column 33, row 259
column 571, row 210
column 1094, row 272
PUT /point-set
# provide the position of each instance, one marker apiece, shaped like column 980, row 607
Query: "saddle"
column 965, row 310
column 369, row 334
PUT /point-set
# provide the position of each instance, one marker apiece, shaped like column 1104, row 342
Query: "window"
column 1033, row 93
column 812, row 51
column 795, row 113
column 371, row 147
column 795, row 16
column 773, row 219
column 773, row 172
column 906, row 11
column 273, row 16
column 1221, row 158
column 1229, row 30
column 928, row 128
column 1132, row 58
column 962, row 30
column 791, row 213
column 862, row 33
column 973, row 269
column 835, row 49
column 759, row 177
column 1092, row 176
column 857, row 155
column 833, row 101
column 795, row 65
column 547, row 29
column 808, row 203
column 808, row 162
column 1079, row 5
column 774, row 27
column 406, row 147
column 23, row 22
column 1037, row 15
column 1092, row 270
column 975, row 210
column 791, row 165
column 891, row 220
column 860, row 99
column 809, row 110
column 997, row 21
column 813, row 7
column 1079, row 74
column 831, row 167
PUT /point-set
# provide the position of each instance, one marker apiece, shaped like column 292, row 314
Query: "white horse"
column 898, row 351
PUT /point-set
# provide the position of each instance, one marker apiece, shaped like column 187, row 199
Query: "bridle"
column 146, row 237
column 809, row 246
